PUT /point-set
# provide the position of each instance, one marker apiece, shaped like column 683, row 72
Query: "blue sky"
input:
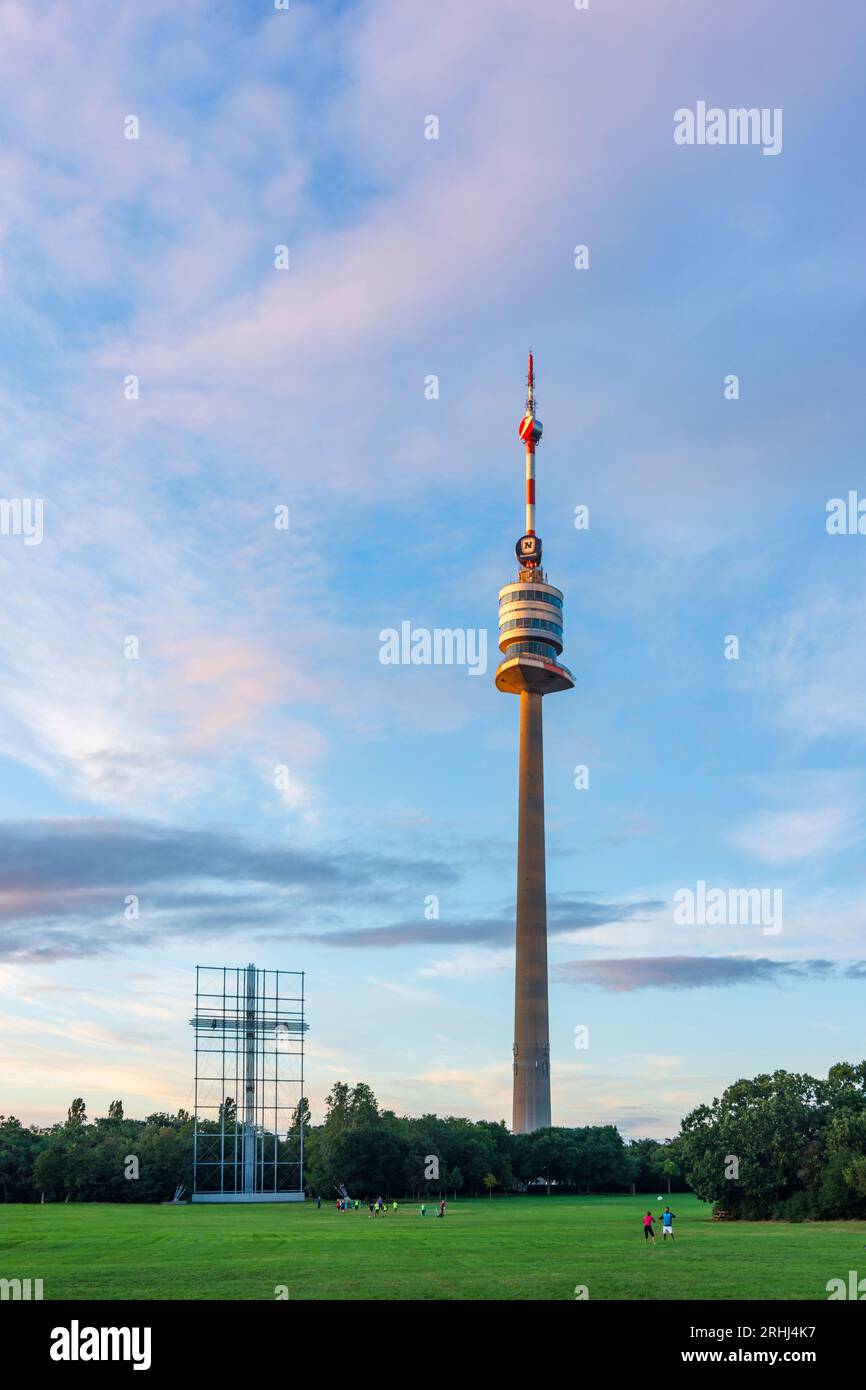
column 260, row 647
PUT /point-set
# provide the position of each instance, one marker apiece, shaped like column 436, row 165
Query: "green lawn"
column 510, row 1247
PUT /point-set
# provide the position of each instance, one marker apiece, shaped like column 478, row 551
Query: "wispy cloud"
column 64, row 885
column 566, row 913
column 824, row 814
column 690, row 972
column 810, row 666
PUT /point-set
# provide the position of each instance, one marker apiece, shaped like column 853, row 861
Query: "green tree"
column 669, row 1161
column 338, row 1107
column 50, row 1172
column 301, row 1114
column 76, row 1114
column 748, row 1150
column 363, row 1107
column 228, row 1112
column 19, row 1149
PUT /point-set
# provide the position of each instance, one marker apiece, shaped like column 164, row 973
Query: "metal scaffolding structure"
column 249, row 1030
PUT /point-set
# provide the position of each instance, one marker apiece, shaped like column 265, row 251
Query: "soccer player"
column 648, row 1229
column 668, row 1217
column 394, row 1208
column 424, row 1212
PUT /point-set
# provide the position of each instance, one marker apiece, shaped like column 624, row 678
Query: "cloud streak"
column 566, row 913
column 64, row 882
column 694, row 972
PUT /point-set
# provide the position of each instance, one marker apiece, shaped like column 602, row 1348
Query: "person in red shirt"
column 648, row 1234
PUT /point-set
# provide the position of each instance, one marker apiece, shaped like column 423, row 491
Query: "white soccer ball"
column 659, row 1199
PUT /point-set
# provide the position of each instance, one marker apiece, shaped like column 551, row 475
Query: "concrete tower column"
column 531, row 1027
column 530, row 640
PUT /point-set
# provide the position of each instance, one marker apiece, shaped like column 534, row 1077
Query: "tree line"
column 369, row 1150
column 782, row 1145
column 88, row 1161
column 376, row 1152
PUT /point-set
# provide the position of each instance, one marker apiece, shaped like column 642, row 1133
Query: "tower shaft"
column 531, row 1025
column 530, row 640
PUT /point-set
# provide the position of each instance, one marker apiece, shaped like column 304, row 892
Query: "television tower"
column 530, row 639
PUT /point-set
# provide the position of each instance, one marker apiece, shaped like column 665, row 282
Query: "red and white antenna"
column 529, row 431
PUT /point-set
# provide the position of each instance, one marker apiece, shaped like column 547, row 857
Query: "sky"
column 194, row 713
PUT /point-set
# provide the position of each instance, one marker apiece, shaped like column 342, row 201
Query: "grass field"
column 507, row 1248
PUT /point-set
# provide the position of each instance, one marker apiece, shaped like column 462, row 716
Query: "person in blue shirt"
column 667, row 1223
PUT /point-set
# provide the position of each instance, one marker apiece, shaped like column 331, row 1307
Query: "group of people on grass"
column 377, row 1208
column 440, row 1212
column 667, row 1226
